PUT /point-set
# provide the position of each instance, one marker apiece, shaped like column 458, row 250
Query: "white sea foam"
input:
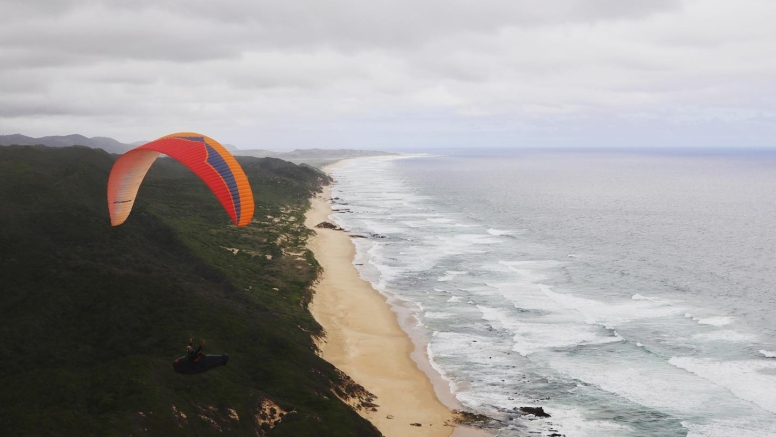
column 440, row 370
column 612, row 313
column 716, row 321
column 438, row 315
column 383, row 228
column 572, row 422
column 480, row 361
column 365, row 255
column 478, row 239
column 524, row 295
column 713, row 321
column 730, row 427
column 499, row 232
column 388, row 273
column 450, row 275
column 440, row 220
column 531, row 337
column 435, row 248
column 533, row 267
column 638, row 382
column 767, row 354
column 752, row 380
column 474, row 349
column 725, row 335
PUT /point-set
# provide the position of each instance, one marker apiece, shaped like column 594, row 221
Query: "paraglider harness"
column 194, row 355
column 195, row 361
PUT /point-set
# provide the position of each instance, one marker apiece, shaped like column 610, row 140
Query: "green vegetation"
column 91, row 317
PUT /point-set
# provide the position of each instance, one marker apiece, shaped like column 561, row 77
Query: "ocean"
column 627, row 293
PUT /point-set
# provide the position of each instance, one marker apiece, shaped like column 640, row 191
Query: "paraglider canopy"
column 201, row 154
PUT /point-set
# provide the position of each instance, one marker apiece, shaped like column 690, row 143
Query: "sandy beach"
column 365, row 340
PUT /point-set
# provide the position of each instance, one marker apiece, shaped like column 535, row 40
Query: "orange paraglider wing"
column 204, row 156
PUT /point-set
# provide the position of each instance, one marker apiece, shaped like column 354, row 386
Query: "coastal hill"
column 311, row 154
column 108, row 144
column 314, row 157
column 92, row 316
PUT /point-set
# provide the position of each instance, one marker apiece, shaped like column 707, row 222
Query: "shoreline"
column 370, row 338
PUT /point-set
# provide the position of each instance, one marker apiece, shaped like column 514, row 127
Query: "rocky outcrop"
column 328, row 225
column 536, row 411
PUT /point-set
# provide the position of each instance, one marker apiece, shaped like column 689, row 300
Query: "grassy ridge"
column 91, row 316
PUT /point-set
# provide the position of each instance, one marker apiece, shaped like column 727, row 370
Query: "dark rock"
column 536, row 411
column 327, row 225
column 468, row 418
column 415, row 424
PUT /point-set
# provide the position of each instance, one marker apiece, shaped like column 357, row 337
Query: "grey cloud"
column 615, row 9
column 15, row 10
column 86, row 39
column 398, row 25
column 387, row 69
column 195, row 30
column 31, row 107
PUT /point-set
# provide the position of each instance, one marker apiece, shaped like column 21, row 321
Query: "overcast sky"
column 394, row 74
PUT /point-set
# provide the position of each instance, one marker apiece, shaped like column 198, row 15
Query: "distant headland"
column 313, row 157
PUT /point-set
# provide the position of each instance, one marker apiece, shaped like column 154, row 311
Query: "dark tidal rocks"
column 327, row 225
column 536, row 411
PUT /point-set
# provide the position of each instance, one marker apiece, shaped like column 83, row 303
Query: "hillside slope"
column 91, row 316
column 108, row 144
